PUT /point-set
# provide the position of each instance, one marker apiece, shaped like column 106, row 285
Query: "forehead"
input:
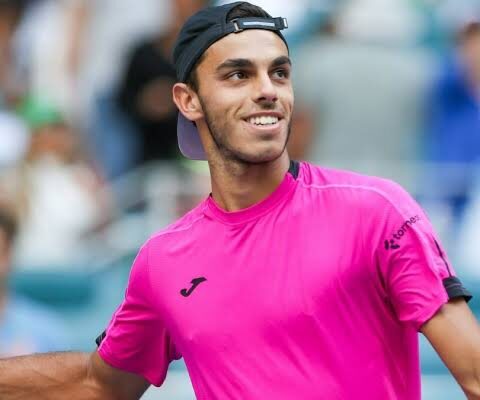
column 255, row 44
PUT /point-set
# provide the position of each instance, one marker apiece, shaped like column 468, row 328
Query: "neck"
column 237, row 186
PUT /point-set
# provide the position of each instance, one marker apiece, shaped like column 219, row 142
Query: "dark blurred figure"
column 145, row 90
column 25, row 327
column 453, row 131
column 11, row 12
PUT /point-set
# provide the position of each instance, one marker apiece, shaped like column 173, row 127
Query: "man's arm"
column 72, row 376
column 455, row 335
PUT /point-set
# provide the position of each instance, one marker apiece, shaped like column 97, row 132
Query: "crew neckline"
column 256, row 210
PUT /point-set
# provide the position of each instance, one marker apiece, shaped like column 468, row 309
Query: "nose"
column 266, row 89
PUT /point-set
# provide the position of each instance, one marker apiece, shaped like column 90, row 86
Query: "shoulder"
column 180, row 230
column 357, row 191
column 324, row 178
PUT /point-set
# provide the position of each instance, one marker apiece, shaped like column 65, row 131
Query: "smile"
column 263, row 120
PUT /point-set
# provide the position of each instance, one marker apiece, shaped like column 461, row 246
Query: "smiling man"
column 289, row 280
column 244, row 122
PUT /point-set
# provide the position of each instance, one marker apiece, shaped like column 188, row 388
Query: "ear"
column 187, row 101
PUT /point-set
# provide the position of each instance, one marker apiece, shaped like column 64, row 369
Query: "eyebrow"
column 246, row 63
column 282, row 60
column 235, row 63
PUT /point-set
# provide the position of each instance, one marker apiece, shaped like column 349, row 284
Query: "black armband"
column 99, row 339
column 455, row 289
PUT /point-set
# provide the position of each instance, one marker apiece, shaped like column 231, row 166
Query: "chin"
column 261, row 156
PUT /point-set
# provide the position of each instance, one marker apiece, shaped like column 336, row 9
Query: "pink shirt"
column 317, row 292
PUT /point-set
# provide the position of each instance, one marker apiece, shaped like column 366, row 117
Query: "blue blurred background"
column 89, row 166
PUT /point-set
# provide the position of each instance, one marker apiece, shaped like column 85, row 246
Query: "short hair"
column 8, row 224
column 243, row 10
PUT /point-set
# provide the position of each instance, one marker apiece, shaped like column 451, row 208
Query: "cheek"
column 216, row 102
column 225, row 108
column 289, row 96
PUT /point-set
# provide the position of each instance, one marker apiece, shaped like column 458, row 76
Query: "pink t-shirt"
column 317, row 292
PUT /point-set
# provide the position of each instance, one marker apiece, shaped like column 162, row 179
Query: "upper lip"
column 265, row 114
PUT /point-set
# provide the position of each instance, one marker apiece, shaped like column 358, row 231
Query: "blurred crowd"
column 89, row 165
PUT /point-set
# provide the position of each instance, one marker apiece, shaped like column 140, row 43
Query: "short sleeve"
column 136, row 340
column 414, row 267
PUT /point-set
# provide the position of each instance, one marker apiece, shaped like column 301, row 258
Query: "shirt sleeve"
column 413, row 265
column 136, row 340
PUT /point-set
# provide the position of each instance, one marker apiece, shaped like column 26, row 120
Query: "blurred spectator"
column 453, row 130
column 362, row 80
column 25, row 327
column 110, row 28
column 145, row 90
column 72, row 51
column 58, row 195
column 10, row 14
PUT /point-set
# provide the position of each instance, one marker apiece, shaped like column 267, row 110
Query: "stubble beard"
column 230, row 154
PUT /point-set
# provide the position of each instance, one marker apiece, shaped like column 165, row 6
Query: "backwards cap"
column 197, row 34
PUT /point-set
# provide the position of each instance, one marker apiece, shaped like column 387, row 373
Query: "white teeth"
column 263, row 120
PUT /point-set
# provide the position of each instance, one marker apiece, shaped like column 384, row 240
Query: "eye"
column 237, row 75
column 281, row 73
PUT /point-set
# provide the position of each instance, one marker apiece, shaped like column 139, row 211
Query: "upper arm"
column 413, row 268
column 455, row 335
column 114, row 383
column 137, row 339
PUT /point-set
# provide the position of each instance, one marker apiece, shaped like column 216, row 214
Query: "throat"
column 235, row 192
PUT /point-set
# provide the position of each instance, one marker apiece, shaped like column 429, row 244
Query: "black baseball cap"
column 197, row 34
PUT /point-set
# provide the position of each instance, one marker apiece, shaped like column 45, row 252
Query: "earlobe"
column 187, row 101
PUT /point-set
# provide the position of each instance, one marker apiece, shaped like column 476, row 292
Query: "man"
column 289, row 281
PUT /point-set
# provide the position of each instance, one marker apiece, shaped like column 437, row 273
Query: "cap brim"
column 189, row 140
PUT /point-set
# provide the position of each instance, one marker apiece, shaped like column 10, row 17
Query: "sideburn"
column 219, row 137
column 215, row 133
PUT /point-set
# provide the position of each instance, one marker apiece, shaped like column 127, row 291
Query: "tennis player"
column 290, row 281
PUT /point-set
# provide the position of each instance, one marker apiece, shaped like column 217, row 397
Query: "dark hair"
column 8, row 224
column 241, row 11
column 15, row 6
column 470, row 29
